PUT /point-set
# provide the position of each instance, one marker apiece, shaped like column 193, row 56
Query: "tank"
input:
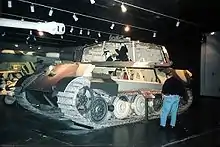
column 115, row 83
column 10, row 72
column 15, row 64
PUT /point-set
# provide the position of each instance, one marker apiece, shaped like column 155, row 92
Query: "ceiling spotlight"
column 88, row 33
column 155, row 34
column 71, row 30
column 75, row 17
column 50, row 12
column 81, row 32
column 92, row 1
column 177, row 23
column 9, row 4
column 123, row 8
column 61, row 36
column 212, row 33
column 32, row 8
column 39, row 48
column 96, row 41
column 112, row 26
column 16, row 45
column 41, row 33
column 30, row 32
column 22, row 19
column 127, row 28
column 99, row 34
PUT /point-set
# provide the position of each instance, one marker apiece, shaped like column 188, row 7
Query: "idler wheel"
column 99, row 110
column 84, row 100
column 122, row 107
column 139, row 105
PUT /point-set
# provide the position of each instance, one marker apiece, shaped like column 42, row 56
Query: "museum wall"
column 210, row 71
column 185, row 51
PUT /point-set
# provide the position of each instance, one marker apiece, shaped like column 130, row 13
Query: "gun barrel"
column 49, row 27
column 14, row 55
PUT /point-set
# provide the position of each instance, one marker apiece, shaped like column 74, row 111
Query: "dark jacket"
column 173, row 86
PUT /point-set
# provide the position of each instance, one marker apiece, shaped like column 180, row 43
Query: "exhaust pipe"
column 75, row 56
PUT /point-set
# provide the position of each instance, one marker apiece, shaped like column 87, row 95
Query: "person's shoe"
column 162, row 127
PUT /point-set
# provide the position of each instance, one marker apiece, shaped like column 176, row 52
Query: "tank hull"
column 92, row 102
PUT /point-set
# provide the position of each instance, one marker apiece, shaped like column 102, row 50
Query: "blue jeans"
column 170, row 104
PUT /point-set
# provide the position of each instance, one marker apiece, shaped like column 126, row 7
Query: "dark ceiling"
column 201, row 12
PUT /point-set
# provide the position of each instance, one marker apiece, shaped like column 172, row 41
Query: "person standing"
column 172, row 90
column 122, row 53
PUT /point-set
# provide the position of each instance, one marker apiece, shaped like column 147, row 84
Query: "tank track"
column 96, row 109
column 67, row 102
column 183, row 106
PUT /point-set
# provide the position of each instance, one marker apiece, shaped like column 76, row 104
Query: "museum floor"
column 200, row 126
